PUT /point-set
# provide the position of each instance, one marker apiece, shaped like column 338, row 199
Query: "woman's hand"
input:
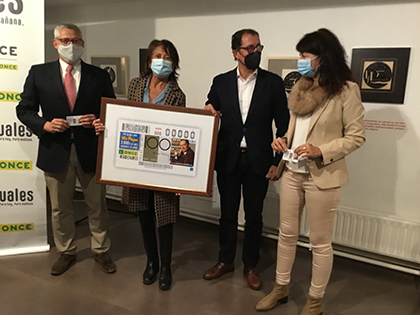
column 308, row 150
column 99, row 127
column 279, row 145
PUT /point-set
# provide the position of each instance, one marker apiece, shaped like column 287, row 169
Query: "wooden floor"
column 26, row 286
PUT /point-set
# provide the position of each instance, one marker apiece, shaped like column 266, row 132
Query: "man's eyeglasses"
column 67, row 41
column 251, row 48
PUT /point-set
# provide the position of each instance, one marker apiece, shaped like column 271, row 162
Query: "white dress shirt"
column 245, row 92
column 76, row 72
column 299, row 138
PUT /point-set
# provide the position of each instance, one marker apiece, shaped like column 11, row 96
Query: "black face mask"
column 252, row 60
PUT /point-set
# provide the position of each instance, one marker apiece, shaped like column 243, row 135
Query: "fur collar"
column 306, row 96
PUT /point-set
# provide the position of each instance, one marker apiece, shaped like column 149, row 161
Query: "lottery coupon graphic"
column 156, row 147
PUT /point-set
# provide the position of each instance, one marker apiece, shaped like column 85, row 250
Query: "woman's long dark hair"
column 170, row 49
column 333, row 69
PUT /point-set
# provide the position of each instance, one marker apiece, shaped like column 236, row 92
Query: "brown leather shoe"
column 218, row 270
column 105, row 263
column 253, row 279
column 64, row 262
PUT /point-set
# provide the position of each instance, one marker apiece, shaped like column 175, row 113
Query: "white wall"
column 380, row 182
column 120, row 38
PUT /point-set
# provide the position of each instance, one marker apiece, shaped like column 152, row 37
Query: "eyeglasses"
column 251, row 48
column 67, row 41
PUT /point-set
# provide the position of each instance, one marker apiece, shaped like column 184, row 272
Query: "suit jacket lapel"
column 259, row 88
column 85, row 79
column 233, row 86
column 143, row 83
column 315, row 116
column 291, row 130
column 57, row 80
column 171, row 96
column 57, row 84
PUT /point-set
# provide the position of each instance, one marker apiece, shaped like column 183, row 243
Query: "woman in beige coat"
column 326, row 124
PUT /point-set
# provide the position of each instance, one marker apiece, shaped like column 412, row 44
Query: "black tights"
column 148, row 228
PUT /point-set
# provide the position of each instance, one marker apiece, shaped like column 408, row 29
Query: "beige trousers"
column 296, row 190
column 61, row 188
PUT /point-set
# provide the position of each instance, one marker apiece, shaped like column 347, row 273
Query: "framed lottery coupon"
column 157, row 147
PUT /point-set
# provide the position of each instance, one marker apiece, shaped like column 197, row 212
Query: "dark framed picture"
column 157, row 147
column 142, row 60
column 381, row 73
column 117, row 67
column 287, row 69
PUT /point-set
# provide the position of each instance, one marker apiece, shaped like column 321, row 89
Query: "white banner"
column 23, row 224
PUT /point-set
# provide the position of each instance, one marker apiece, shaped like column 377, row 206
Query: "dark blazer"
column 186, row 157
column 44, row 88
column 268, row 102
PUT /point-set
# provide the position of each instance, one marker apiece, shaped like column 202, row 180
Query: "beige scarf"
column 306, row 96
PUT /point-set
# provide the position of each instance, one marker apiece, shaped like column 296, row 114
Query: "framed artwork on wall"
column 381, row 73
column 117, row 67
column 286, row 67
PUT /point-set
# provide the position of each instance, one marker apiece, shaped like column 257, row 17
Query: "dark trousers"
column 254, row 188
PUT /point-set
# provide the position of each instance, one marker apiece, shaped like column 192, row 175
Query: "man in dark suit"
column 249, row 99
column 69, row 90
column 186, row 156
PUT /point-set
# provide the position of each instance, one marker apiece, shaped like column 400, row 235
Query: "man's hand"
column 279, row 145
column 211, row 108
column 56, row 125
column 87, row 120
column 272, row 172
column 99, row 127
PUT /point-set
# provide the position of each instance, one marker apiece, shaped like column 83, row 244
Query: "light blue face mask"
column 305, row 69
column 161, row 68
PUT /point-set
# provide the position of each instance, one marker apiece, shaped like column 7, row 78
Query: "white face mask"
column 70, row 53
column 161, row 68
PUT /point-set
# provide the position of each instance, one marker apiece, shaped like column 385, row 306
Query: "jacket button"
column 244, row 129
column 331, row 160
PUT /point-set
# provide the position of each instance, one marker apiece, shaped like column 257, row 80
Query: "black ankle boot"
column 165, row 279
column 147, row 222
column 151, row 271
column 165, row 240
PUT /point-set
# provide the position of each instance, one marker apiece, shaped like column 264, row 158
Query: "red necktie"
column 70, row 87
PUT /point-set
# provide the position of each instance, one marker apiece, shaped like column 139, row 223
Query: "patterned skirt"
column 166, row 205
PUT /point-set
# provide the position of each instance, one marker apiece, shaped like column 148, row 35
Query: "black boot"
column 165, row 240
column 147, row 222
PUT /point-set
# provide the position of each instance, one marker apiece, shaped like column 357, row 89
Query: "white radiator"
column 357, row 229
column 373, row 233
